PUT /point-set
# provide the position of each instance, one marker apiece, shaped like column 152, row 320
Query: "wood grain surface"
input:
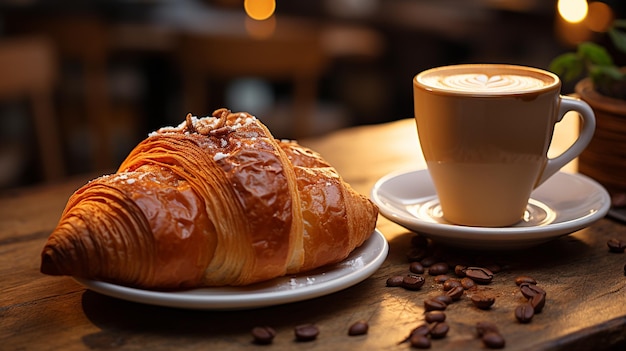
column 585, row 283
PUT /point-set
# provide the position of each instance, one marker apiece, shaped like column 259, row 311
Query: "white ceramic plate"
column 562, row 205
column 361, row 263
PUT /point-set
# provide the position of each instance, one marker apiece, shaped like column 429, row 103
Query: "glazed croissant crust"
column 215, row 201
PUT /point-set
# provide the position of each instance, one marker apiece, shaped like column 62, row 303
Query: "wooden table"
column 585, row 284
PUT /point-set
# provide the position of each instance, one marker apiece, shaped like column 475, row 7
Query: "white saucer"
column 361, row 263
column 564, row 204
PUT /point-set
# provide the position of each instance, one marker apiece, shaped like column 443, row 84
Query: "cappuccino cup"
column 485, row 130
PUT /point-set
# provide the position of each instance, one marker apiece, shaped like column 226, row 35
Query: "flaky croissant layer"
column 214, row 201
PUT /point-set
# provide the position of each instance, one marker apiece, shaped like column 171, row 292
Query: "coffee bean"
column 493, row 340
column 263, row 335
column 395, row 281
column 416, row 267
column 439, row 330
column 484, row 327
column 421, row 330
column 438, row 268
column 459, row 270
column 413, row 282
column 467, row 283
column 451, row 283
column 419, row 341
column 440, row 279
column 444, row 298
column 479, row 274
column 538, row 302
column 530, row 290
column 616, row 245
column 524, row 313
column 434, row 316
column 429, row 261
column 482, row 301
column 306, row 332
column 525, row 279
column 625, row 269
column 432, row 305
column 493, row 267
column 358, row 328
column 456, row 293
column 415, row 254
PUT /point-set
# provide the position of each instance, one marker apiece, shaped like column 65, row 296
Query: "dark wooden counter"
column 585, row 284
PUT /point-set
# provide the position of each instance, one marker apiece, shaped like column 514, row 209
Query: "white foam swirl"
column 482, row 83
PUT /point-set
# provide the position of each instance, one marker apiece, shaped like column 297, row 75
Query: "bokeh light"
column 259, row 9
column 573, row 11
column 600, row 17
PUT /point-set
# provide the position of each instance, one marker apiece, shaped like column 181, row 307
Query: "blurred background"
column 83, row 81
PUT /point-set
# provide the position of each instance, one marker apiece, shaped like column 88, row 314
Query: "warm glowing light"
column 600, row 17
column 259, row 9
column 573, row 11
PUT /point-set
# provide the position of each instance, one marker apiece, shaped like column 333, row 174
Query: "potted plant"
column 603, row 87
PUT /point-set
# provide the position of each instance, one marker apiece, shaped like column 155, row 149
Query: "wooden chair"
column 294, row 53
column 85, row 40
column 28, row 69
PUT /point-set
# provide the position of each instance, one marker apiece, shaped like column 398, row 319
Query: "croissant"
column 215, row 201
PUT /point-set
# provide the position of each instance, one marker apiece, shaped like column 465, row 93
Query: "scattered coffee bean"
column 524, row 313
column 467, row 283
column 416, row 267
column 530, row 290
column 525, row 279
column 413, row 282
column 306, row 332
column 455, row 293
column 444, row 298
column 479, row 274
column 493, row 340
column 439, row 330
column 428, row 261
column 432, row 305
column 494, row 268
column 482, row 301
column 421, row 330
column 538, row 302
column 625, row 269
column 395, row 281
column 616, row 245
column 440, row 279
column 419, row 341
column 415, row 254
column 435, row 316
column 484, row 327
column 263, row 335
column 459, row 270
column 438, row 268
column 451, row 283
column 358, row 328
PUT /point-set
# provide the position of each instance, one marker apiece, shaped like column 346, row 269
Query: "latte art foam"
column 482, row 83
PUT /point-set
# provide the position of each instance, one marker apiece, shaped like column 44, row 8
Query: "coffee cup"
column 485, row 130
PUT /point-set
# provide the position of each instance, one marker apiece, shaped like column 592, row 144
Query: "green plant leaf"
column 606, row 72
column 568, row 66
column 594, row 54
column 618, row 38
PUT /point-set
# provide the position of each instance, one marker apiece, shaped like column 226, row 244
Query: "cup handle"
column 588, row 128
